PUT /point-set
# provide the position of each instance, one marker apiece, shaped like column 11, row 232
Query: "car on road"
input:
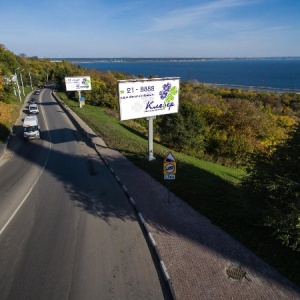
column 33, row 109
column 37, row 91
column 32, row 101
column 31, row 128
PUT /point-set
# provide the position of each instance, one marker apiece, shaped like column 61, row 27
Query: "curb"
column 4, row 146
column 131, row 200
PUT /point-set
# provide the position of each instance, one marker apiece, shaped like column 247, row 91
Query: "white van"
column 31, row 127
column 33, row 109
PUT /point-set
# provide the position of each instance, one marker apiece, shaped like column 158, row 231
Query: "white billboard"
column 80, row 83
column 141, row 98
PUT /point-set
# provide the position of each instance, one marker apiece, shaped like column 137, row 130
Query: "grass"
column 211, row 189
column 9, row 113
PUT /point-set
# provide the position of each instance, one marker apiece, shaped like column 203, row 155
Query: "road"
column 67, row 230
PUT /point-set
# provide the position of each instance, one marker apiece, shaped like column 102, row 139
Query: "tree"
column 273, row 180
column 183, row 130
column 236, row 131
column 95, row 96
column 1, row 84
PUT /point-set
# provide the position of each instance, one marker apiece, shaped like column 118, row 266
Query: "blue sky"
column 156, row 28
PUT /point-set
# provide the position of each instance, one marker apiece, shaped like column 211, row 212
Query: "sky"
column 156, row 28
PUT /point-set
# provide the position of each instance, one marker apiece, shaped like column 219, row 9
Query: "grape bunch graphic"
column 85, row 81
column 168, row 92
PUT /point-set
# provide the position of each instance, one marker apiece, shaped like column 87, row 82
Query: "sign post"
column 169, row 167
column 150, row 138
column 169, row 164
column 79, row 96
column 81, row 100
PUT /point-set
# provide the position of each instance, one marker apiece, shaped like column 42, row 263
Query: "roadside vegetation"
column 237, row 151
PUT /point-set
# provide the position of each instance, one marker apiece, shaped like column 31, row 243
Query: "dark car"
column 33, row 101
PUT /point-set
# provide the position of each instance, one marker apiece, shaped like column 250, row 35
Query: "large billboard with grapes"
column 142, row 98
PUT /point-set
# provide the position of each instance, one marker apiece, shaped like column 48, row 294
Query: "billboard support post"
column 79, row 96
column 150, row 138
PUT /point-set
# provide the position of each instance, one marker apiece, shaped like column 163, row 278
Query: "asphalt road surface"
column 67, row 230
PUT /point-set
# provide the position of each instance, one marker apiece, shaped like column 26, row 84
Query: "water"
column 268, row 74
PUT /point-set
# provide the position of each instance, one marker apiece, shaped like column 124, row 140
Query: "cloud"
column 188, row 16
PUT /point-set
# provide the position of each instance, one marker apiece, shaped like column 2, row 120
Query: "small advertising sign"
column 142, row 98
column 81, row 83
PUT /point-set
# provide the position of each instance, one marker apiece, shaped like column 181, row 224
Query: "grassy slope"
column 211, row 189
column 8, row 116
column 9, row 113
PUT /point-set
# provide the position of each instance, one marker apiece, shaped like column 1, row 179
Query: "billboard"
column 141, row 98
column 80, row 83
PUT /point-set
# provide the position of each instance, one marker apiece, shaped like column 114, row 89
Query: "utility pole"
column 22, row 82
column 18, row 85
column 30, row 80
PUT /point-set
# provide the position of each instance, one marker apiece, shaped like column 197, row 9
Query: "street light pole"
column 13, row 80
column 18, row 84
column 22, row 81
column 30, row 80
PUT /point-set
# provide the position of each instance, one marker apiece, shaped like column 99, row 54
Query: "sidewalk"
column 2, row 149
column 199, row 260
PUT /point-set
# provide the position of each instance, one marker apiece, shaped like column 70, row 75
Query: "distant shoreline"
column 253, row 88
column 167, row 59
